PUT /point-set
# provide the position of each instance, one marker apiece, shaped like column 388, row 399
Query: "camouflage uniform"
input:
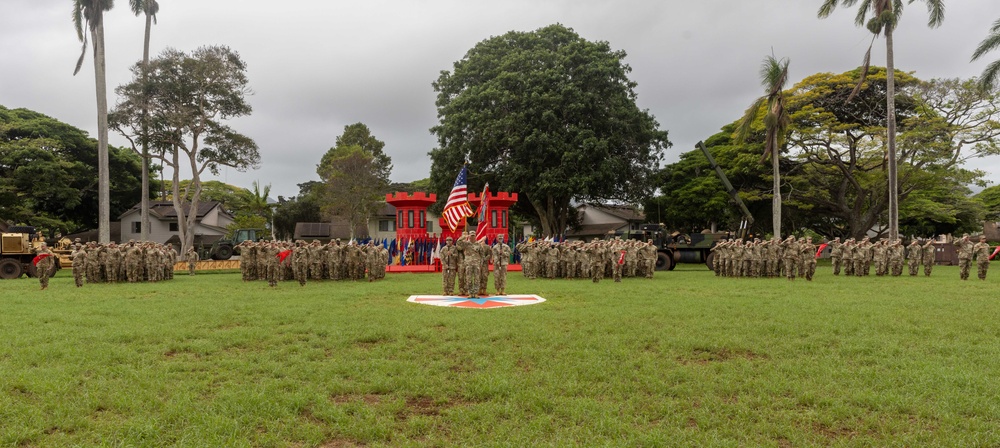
column 45, row 265
column 981, row 252
column 192, row 260
column 929, row 257
column 449, row 266
column 501, row 257
column 79, row 265
column 473, row 262
column 964, row 247
column 913, row 256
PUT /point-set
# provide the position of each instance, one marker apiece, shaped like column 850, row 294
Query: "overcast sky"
column 318, row 65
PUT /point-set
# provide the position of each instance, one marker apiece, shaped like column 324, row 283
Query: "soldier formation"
column 132, row 262
column 767, row 258
column 888, row 257
column 276, row 261
column 595, row 260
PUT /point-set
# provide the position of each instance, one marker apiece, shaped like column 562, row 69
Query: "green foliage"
column 355, row 176
column 48, row 173
column 692, row 196
column 184, row 102
column 246, row 221
column 302, row 208
column 684, row 359
column 547, row 114
column 833, row 168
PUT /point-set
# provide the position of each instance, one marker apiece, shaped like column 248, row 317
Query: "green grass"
column 686, row 359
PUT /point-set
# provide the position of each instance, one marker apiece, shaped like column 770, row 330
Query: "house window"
column 430, row 226
column 136, row 226
column 386, row 225
column 173, row 227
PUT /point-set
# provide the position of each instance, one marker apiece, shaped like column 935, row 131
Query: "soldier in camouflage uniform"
column 192, row 260
column 473, row 262
column 79, row 264
column 981, row 252
column 836, row 255
column 300, row 262
column 44, row 265
column 929, row 257
column 449, row 266
column 913, row 256
column 501, row 258
column 964, row 247
column 896, row 258
column 790, row 250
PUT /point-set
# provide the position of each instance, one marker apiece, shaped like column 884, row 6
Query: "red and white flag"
column 484, row 215
column 457, row 208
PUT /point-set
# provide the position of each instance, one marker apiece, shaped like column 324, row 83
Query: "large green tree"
column 547, row 114
column 48, row 173
column 188, row 98
column 834, row 172
column 88, row 16
column 355, row 175
column 148, row 9
column 885, row 16
column 774, row 119
column 842, row 159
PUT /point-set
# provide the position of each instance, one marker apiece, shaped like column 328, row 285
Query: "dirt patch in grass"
column 369, row 399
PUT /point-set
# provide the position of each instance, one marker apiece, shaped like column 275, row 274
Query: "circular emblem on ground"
column 478, row 302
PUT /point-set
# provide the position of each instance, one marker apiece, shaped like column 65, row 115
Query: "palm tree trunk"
column 144, row 214
column 890, row 111
column 776, row 198
column 103, row 182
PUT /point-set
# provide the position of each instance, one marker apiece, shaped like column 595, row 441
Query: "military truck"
column 224, row 249
column 18, row 248
column 677, row 247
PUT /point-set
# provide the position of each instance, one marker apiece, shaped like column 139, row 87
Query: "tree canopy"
column 834, row 165
column 188, row 99
column 48, row 173
column 547, row 114
column 355, row 176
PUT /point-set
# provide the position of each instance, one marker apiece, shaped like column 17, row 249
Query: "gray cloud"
column 316, row 66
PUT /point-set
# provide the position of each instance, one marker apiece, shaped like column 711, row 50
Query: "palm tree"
column 149, row 8
column 90, row 14
column 885, row 17
column 988, row 80
column 773, row 75
column 258, row 205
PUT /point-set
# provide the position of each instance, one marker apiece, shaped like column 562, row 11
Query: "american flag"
column 484, row 215
column 457, row 208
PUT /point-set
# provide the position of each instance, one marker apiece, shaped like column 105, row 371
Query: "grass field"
column 685, row 359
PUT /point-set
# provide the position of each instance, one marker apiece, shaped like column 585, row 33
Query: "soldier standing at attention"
column 982, row 254
column 913, row 256
column 501, row 257
column 192, row 258
column 79, row 264
column 929, row 257
column 964, row 247
column 44, row 262
column 449, row 266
